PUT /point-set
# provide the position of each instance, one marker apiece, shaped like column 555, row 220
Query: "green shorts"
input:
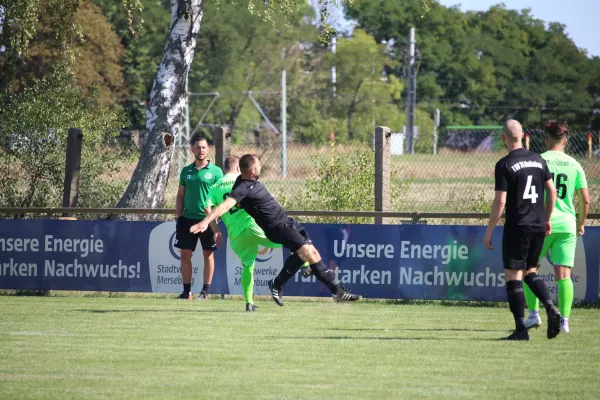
column 561, row 247
column 245, row 246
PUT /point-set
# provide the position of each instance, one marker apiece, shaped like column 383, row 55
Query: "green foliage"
column 346, row 184
column 33, row 136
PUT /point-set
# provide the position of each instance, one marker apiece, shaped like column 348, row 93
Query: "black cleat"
column 185, row 296
column 276, row 293
column 250, row 307
column 306, row 271
column 553, row 323
column 203, row 296
column 515, row 335
column 344, row 295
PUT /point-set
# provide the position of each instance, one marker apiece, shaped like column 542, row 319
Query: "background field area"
column 158, row 348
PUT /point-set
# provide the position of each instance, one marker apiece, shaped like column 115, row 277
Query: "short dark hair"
column 556, row 129
column 247, row 161
column 231, row 162
column 196, row 137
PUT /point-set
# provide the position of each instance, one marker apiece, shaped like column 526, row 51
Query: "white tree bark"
column 164, row 117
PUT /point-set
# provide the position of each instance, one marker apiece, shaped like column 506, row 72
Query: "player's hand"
column 199, row 227
column 581, row 230
column 487, row 241
column 548, row 228
column 219, row 239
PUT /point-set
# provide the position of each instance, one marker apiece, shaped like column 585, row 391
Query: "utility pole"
column 412, row 91
column 283, row 124
column 332, row 72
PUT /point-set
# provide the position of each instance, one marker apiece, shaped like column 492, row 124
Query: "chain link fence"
column 332, row 176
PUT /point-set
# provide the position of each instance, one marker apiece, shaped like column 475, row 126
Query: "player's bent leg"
column 533, row 304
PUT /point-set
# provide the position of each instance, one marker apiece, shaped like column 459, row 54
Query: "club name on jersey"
column 526, row 164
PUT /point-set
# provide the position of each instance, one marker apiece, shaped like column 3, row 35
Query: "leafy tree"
column 33, row 133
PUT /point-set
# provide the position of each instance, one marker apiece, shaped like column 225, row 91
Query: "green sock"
column 565, row 296
column 533, row 303
column 248, row 283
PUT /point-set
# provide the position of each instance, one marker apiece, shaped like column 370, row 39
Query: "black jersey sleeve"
column 501, row 178
column 547, row 174
column 239, row 191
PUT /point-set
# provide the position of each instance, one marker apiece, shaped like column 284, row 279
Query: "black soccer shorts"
column 186, row 240
column 521, row 250
column 290, row 235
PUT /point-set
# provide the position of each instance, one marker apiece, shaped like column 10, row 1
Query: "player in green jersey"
column 244, row 234
column 567, row 222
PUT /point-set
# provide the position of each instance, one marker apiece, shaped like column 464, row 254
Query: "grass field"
column 159, row 348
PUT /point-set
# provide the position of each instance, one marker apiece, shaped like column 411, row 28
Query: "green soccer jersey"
column 197, row 182
column 568, row 176
column 236, row 220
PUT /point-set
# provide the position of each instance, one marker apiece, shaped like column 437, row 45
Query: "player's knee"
column 186, row 255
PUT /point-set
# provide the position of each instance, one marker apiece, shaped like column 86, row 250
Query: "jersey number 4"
column 235, row 208
column 530, row 193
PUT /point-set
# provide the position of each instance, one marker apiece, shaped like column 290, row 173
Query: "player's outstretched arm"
column 550, row 202
column 495, row 215
column 216, row 213
column 583, row 208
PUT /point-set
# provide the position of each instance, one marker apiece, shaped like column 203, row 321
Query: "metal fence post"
column 72, row 169
column 221, row 145
column 382, row 170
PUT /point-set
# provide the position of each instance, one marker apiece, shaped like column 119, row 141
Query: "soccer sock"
column 539, row 289
column 205, row 287
column 248, row 283
column 516, row 303
column 565, row 296
column 187, row 287
column 290, row 267
column 325, row 275
column 533, row 304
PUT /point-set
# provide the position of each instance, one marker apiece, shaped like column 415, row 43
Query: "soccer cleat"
column 185, row 296
column 343, row 295
column 306, row 271
column 276, row 293
column 517, row 336
column 553, row 323
column 250, row 307
column 564, row 325
column 203, row 295
column 533, row 321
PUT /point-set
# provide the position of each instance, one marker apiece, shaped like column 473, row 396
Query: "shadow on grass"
column 418, row 329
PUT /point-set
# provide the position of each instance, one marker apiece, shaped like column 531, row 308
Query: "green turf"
column 153, row 348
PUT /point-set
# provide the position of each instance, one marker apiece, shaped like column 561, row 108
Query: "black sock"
column 516, row 302
column 205, row 287
column 538, row 287
column 325, row 275
column 290, row 267
column 187, row 287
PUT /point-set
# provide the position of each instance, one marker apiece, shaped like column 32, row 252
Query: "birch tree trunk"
column 164, row 116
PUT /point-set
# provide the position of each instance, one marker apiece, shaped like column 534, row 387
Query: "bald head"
column 513, row 131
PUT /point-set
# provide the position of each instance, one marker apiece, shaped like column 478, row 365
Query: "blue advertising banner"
column 376, row 261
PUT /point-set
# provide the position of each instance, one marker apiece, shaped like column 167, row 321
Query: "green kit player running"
column 244, row 234
column 567, row 224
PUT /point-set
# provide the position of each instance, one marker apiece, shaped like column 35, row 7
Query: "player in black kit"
column 521, row 179
column 251, row 195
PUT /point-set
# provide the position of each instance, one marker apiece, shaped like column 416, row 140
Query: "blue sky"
column 579, row 16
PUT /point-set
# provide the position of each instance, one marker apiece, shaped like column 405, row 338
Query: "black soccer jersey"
column 522, row 174
column 254, row 197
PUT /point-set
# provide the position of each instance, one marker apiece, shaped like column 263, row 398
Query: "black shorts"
column 186, row 240
column 290, row 235
column 521, row 250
